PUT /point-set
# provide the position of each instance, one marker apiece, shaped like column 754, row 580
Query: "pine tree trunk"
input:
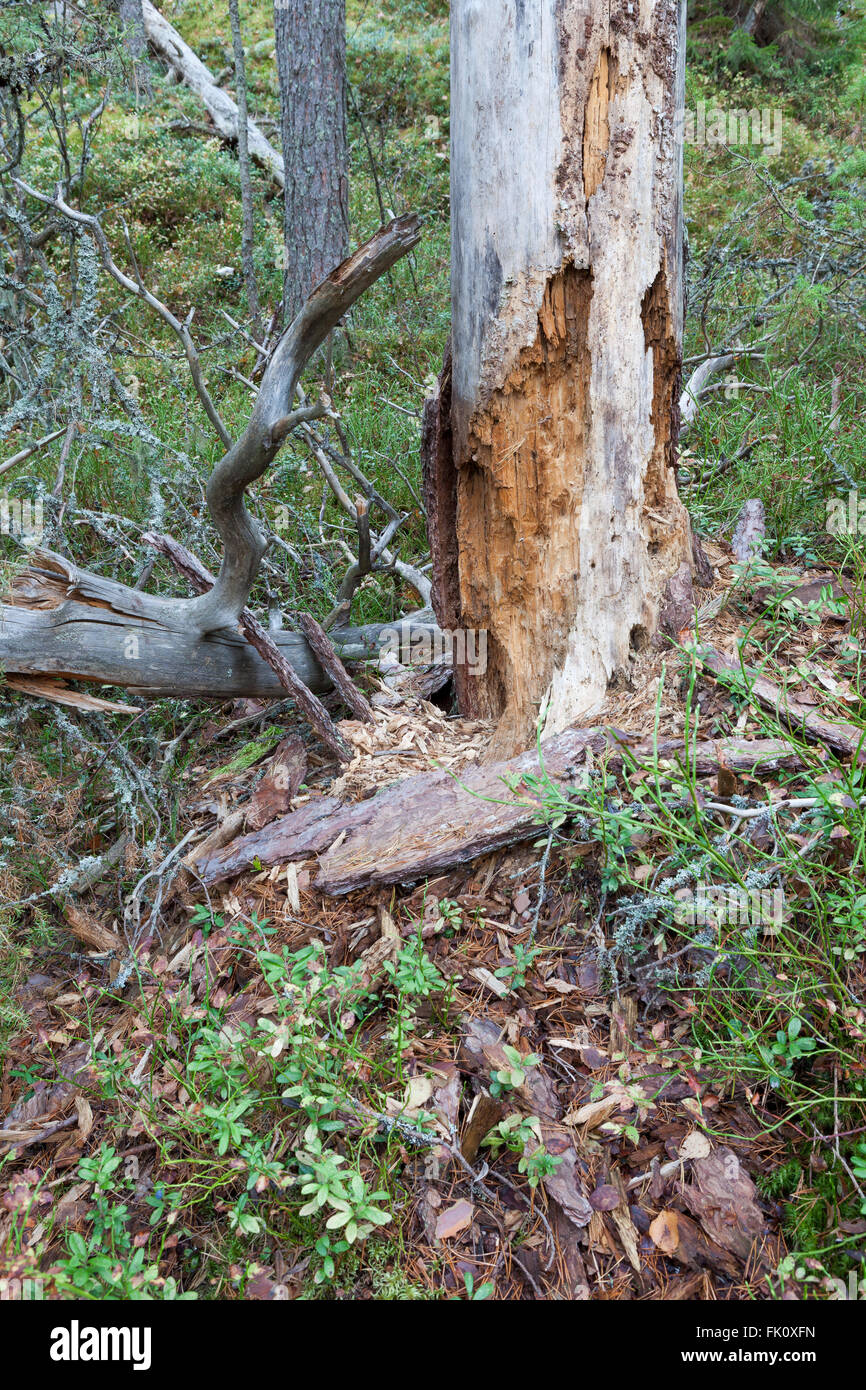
column 550, row 475
column 311, row 64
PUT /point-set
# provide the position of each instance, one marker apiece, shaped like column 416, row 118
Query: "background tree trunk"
column 557, row 490
column 135, row 39
column 244, row 170
column 311, row 64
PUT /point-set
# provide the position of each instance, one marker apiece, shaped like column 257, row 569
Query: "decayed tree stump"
column 557, row 492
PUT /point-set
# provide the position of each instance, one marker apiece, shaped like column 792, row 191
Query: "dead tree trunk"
column 311, row 64
column 556, row 492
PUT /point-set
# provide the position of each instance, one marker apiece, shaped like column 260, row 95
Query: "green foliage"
column 514, row 1073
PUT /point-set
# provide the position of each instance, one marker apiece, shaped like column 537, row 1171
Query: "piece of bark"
column 682, row 1239
column 806, row 591
column 677, row 613
column 278, row 788
column 418, row 827
column 59, row 694
column 307, row 831
column 844, row 738
column 750, row 531
column 426, row 824
column 90, row 931
column 704, row 572
column 727, row 783
column 224, row 833
column 310, row 705
column 330, row 662
column 483, row 1115
column 623, row 1024
column 724, row 1199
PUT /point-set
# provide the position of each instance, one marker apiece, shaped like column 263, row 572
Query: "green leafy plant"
column 514, row 1073
column 516, row 971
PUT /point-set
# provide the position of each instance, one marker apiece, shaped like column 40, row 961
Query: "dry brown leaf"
column 454, row 1220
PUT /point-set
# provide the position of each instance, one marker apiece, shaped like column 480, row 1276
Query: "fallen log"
column 427, row 824
column 844, row 738
column 168, row 44
column 749, row 757
column 415, row 828
column 309, row 704
column 67, row 622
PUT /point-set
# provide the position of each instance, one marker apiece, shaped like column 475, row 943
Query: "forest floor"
column 535, row 1075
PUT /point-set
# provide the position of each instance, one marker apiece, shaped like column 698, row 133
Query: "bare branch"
column 137, row 287
column 31, row 449
column 331, row 663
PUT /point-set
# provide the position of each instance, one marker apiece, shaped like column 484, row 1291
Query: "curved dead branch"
column 271, row 421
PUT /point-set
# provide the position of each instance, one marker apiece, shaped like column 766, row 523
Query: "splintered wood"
column 412, row 737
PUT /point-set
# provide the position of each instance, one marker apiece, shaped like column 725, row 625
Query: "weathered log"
column 415, row 828
column 68, row 622
column 842, row 737
column 168, row 44
column 271, row 422
column 427, row 824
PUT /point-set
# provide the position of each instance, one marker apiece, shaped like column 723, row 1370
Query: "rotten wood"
column 558, row 492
